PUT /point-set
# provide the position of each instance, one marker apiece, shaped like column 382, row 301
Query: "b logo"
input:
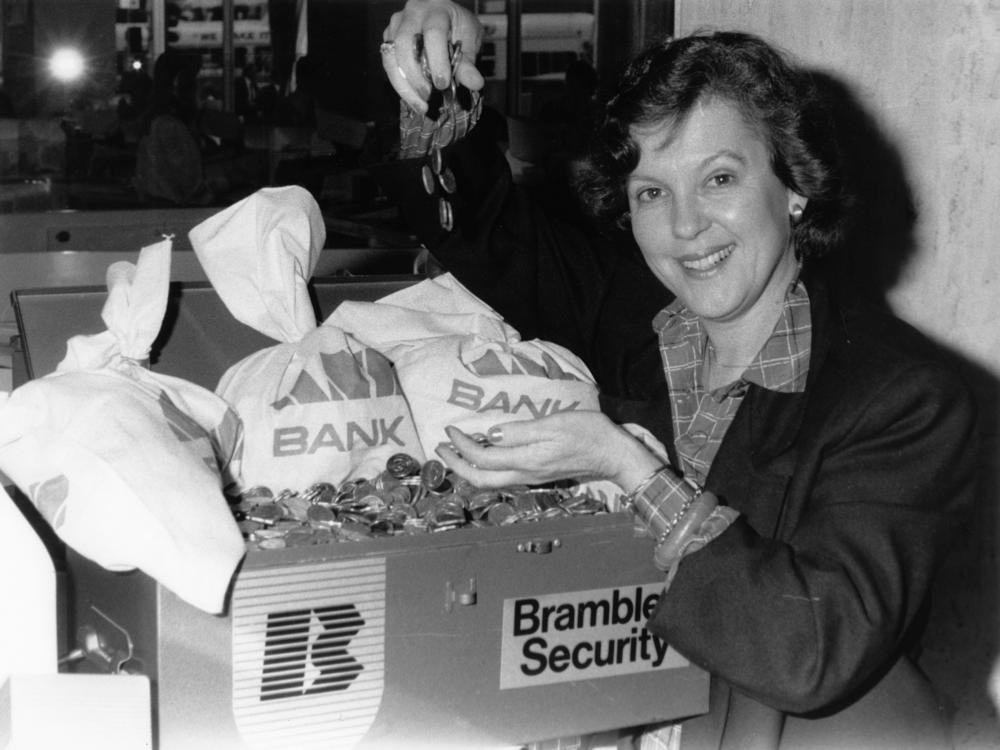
column 292, row 646
column 308, row 650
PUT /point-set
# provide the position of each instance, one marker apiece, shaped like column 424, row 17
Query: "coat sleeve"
column 807, row 620
column 548, row 272
column 544, row 276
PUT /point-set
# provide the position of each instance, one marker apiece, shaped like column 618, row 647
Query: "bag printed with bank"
column 319, row 405
column 460, row 364
column 127, row 465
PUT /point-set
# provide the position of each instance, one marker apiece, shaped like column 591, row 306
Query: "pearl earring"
column 796, row 213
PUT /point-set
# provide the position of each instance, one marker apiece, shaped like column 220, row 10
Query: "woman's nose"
column 689, row 220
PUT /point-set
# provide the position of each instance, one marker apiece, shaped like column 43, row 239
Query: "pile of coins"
column 406, row 498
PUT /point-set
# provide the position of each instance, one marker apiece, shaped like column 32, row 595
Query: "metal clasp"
column 539, row 546
column 466, row 598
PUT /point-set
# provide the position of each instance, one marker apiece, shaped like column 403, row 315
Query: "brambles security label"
column 582, row 635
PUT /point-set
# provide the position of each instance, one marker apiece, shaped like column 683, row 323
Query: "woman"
column 818, row 452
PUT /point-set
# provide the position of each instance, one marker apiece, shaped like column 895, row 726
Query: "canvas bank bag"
column 319, row 405
column 460, row 364
column 125, row 464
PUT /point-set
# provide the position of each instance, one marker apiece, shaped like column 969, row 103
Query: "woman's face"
column 709, row 214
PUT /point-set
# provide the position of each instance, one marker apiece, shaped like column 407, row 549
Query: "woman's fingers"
column 478, row 476
column 467, row 74
column 402, row 62
column 437, row 32
column 399, row 81
column 582, row 445
column 524, row 454
column 416, row 52
column 487, row 456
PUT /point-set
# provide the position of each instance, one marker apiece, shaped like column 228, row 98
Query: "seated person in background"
column 819, row 453
column 572, row 112
column 187, row 154
column 169, row 165
column 568, row 121
column 245, row 93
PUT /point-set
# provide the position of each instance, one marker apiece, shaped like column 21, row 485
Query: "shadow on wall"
column 961, row 643
column 881, row 241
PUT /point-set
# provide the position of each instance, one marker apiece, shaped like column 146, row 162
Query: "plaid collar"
column 782, row 363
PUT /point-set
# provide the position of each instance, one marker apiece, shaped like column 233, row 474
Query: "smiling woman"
column 817, row 454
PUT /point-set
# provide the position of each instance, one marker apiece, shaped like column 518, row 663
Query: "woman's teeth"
column 703, row 264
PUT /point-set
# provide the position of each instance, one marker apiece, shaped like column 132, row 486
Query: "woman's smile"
column 707, row 264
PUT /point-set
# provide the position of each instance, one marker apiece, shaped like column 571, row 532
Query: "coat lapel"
column 758, row 455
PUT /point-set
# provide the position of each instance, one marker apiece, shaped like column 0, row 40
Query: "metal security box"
column 473, row 637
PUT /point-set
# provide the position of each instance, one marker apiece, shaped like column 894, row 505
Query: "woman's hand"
column 569, row 445
column 427, row 27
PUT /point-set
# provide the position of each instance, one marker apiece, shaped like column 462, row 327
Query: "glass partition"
column 103, row 110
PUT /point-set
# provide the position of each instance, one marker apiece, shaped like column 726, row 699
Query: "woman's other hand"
column 570, row 445
column 426, row 27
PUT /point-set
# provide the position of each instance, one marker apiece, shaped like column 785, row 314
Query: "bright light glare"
column 137, row 65
column 66, row 64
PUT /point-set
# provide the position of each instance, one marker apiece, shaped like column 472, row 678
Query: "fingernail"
column 440, row 82
column 419, row 108
column 495, row 434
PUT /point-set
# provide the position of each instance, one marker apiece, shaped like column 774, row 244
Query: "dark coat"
column 849, row 495
column 805, row 609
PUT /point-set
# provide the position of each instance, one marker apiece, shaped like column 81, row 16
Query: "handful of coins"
column 407, row 497
column 443, row 108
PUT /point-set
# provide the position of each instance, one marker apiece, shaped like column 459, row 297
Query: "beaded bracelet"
column 687, row 534
column 661, row 501
column 676, row 517
column 629, row 503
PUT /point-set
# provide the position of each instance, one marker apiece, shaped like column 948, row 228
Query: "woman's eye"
column 648, row 194
column 721, row 180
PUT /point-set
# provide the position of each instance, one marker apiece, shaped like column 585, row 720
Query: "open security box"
column 473, row 637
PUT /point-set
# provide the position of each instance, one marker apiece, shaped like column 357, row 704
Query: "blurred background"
column 123, row 120
column 139, row 104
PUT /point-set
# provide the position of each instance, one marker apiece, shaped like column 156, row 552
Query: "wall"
column 930, row 73
column 927, row 73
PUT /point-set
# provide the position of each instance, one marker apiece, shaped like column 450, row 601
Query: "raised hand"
column 418, row 46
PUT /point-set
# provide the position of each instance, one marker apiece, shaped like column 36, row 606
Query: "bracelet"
column 672, row 522
column 661, row 501
column 644, row 483
column 688, row 534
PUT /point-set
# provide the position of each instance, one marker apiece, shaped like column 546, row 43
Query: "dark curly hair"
column 663, row 84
